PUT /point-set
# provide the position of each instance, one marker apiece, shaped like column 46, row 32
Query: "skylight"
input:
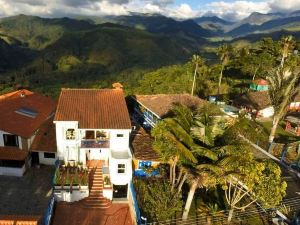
column 27, row 112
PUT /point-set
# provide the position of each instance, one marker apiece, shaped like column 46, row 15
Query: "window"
column 70, row 134
column 10, row 140
column 89, row 134
column 27, row 112
column 120, row 135
column 121, row 168
column 48, row 155
column 101, row 135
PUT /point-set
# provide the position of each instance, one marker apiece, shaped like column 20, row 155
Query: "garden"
column 70, row 175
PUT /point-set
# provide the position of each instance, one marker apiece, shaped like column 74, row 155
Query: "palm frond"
column 204, row 152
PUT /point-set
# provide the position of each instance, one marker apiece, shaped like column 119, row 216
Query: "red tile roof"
column 45, row 139
column 19, row 220
column 255, row 100
column 162, row 104
column 142, row 146
column 12, row 153
column 94, row 108
column 19, row 124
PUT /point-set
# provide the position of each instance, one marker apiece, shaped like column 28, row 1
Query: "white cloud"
column 233, row 10
column 284, row 5
column 238, row 9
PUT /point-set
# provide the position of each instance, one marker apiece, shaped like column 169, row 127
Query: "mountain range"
column 93, row 47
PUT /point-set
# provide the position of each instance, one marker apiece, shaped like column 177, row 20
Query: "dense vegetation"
column 47, row 54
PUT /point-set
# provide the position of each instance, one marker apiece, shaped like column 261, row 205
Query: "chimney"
column 22, row 94
column 117, row 86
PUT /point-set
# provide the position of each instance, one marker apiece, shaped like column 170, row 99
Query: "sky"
column 181, row 9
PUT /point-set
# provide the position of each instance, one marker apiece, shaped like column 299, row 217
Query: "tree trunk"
column 208, row 220
column 254, row 75
column 181, row 183
column 194, row 80
column 220, row 79
column 282, row 61
column 273, row 129
column 179, row 177
column 174, row 173
column 189, row 200
column 171, row 172
column 230, row 215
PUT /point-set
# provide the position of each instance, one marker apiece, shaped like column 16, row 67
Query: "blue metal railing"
column 135, row 204
column 49, row 211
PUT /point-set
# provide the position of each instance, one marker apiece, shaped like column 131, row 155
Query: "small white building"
column 22, row 114
column 94, row 124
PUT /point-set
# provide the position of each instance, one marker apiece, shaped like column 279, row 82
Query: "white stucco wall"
column 119, row 143
column 267, row 112
column 10, row 171
column 61, row 142
column 120, row 178
column 108, row 193
column 67, row 196
column 46, row 161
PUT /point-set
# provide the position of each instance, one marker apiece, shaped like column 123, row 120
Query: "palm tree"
column 198, row 62
column 175, row 144
column 282, row 84
column 197, row 178
column 224, row 52
column 287, row 44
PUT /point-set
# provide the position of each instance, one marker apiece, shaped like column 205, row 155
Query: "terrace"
column 95, row 139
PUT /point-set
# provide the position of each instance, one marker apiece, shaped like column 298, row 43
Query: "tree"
column 224, row 52
column 198, row 62
column 198, row 177
column 287, row 44
column 174, row 142
column 282, row 84
column 209, row 211
column 257, row 181
column 157, row 200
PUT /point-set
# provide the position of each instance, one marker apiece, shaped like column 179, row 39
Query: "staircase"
column 96, row 199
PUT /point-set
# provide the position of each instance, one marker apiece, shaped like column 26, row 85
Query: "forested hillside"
column 149, row 53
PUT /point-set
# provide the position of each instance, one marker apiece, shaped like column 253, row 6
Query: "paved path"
column 74, row 214
column 27, row 195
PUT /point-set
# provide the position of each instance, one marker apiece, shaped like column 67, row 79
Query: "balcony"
column 93, row 143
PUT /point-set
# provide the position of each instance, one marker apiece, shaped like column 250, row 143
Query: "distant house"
column 295, row 104
column 22, row 115
column 93, row 125
column 144, row 156
column 259, row 85
column 293, row 124
column 149, row 109
column 257, row 103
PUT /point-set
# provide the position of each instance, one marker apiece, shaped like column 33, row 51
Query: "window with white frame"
column 120, row 135
column 70, row 134
column 121, row 168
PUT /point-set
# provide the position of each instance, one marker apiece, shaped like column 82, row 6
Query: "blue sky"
column 180, row 9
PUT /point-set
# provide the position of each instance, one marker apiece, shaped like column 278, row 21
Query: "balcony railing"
column 92, row 143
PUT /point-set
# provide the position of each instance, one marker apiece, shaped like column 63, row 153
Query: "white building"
column 21, row 116
column 94, row 124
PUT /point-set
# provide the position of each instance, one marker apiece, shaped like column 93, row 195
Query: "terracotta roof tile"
column 45, row 139
column 19, row 124
column 142, row 146
column 256, row 100
column 94, row 108
column 19, row 220
column 162, row 104
column 12, row 153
